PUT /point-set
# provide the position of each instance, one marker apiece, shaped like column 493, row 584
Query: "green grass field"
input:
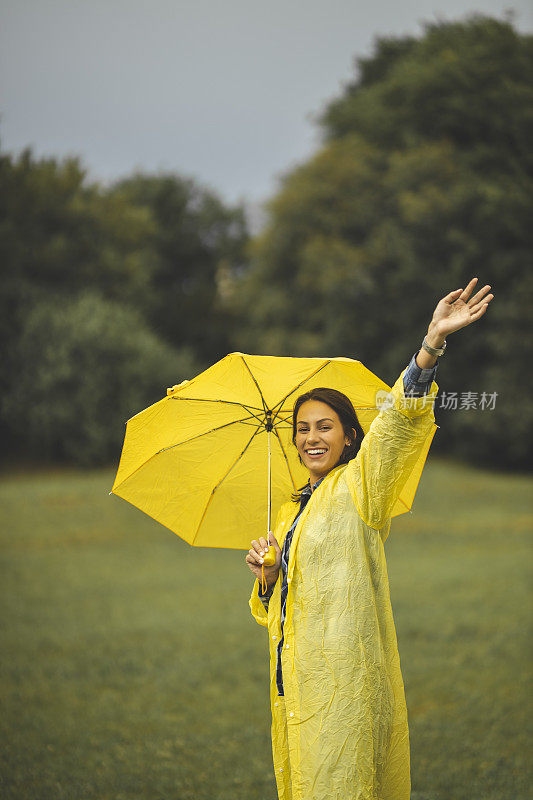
column 132, row 668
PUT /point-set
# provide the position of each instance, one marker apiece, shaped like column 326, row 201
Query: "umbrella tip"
column 177, row 386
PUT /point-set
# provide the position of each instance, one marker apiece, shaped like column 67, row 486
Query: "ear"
column 348, row 443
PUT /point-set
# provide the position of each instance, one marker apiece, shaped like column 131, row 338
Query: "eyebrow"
column 303, row 422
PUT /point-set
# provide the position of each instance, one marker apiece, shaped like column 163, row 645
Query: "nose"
column 312, row 439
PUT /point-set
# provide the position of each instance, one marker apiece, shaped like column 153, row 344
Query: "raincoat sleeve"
column 389, row 452
column 259, row 612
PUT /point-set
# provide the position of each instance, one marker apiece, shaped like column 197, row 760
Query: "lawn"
column 132, row 668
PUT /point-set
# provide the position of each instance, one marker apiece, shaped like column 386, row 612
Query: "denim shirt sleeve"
column 265, row 597
column 417, row 381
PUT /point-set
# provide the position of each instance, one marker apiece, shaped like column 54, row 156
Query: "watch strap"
column 433, row 351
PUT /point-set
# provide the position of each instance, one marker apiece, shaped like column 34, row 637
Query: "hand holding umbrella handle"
column 269, row 560
column 259, row 558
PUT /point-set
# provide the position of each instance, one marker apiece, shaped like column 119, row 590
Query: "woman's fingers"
column 479, row 313
column 253, row 565
column 274, row 541
column 468, row 290
column 479, row 305
column 256, row 553
column 452, row 296
column 479, row 296
column 261, row 546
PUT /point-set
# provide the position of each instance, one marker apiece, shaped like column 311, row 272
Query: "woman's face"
column 320, row 438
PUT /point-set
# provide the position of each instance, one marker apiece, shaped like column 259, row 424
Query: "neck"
column 315, row 478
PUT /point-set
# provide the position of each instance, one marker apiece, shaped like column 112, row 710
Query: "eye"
column 322, row 428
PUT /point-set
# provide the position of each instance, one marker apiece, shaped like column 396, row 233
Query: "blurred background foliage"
column 423, row 179
column 108, row 296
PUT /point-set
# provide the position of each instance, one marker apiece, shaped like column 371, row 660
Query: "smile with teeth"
column 316, row 452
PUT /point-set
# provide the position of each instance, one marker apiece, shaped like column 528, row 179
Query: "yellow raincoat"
column 340, row 732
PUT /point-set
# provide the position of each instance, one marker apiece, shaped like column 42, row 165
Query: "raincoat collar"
column 307, row 488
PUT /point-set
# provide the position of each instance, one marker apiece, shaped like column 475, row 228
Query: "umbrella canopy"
column 199, row 461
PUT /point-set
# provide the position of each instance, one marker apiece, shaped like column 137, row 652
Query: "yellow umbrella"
column 214, row 458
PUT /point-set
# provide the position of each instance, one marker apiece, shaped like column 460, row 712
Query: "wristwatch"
column 432, row 350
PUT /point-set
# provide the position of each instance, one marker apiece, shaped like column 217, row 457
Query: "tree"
column 147, row 255
column 469, row 83
column 196, row 240
column 58, row 237
column 423, row 181
column 84, row 366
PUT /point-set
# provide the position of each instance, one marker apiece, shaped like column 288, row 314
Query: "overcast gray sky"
column 221, row 91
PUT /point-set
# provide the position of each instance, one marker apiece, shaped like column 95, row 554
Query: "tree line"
column 423, row 179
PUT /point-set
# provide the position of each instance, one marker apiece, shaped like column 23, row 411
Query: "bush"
column 83, row 367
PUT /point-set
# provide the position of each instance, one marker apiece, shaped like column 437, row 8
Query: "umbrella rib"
column 265, row 407
column 312, row 375
column 227, row 402
column 259, row 419
column 283, row 421
column 205, row 433
column 286, row 459
column 280, row 422
column 186, row 441
column 223, row 478
column 355, row 408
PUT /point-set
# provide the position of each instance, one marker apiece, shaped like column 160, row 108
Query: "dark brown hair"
column 347, row 415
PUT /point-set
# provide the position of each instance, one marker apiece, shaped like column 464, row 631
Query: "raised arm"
column 398, row 435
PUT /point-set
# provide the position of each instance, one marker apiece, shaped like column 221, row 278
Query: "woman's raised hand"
column 255, row 555
column 456, row 310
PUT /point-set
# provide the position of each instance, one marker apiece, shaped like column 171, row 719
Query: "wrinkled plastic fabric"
column 341, row 730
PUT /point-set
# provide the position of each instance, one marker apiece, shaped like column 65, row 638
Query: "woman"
column 339, row 719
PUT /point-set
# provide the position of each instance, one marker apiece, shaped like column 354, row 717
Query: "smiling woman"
column 339, row 716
